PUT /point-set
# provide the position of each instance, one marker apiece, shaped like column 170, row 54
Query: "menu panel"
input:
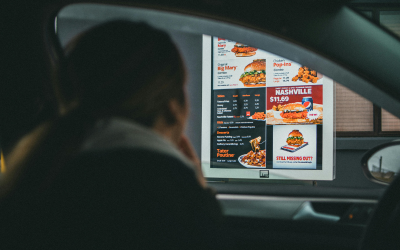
column 295, row 105
column 295, row 147
column 267, row 111
column 237, row 127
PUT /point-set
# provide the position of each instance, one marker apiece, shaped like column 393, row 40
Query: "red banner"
column 290, row 94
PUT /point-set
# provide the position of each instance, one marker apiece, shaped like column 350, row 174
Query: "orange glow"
column 2, row 164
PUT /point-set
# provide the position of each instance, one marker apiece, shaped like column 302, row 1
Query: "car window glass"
column 189, row 41
column 383, row 122
column 367, row 13
column 391, row 20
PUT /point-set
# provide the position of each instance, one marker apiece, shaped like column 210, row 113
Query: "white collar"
column 122, row 133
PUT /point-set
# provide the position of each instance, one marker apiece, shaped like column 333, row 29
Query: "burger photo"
column 295, row 138
column 254, row 74
column 294, row 111
column 241, row 50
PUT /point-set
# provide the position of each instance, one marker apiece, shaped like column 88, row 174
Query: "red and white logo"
column 307, row 104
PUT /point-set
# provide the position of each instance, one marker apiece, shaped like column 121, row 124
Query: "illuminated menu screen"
column 266, row 111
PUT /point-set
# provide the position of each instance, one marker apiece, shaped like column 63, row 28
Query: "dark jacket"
column 117, row 197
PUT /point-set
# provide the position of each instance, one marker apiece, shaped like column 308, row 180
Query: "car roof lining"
column 358, row 79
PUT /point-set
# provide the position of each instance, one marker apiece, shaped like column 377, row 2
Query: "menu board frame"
column 326, row 172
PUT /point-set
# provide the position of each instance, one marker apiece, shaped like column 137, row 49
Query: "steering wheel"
column 383, row 230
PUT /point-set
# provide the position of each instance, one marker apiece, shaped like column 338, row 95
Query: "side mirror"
column 382, row 163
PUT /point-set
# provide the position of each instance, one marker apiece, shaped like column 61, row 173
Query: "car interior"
column 340, row 39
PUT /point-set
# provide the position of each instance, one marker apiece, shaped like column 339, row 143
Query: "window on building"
column 356, row 116
column 353, row 112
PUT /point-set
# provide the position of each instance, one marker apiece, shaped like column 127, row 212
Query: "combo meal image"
column 258, row 116
column 293, row 111
column 295, row 141
column 242, row 50
column 295, row 138
column 256, row 157
column 254, row 74
column 307, row 75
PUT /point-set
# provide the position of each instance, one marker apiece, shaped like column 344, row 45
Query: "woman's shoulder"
column 120, row 136
column 124, row 171
column 138, row 161
column 151, row 179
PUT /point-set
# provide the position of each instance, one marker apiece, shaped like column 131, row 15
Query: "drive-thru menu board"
column 267, row 113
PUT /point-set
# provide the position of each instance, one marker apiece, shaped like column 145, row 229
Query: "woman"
column 116, row 169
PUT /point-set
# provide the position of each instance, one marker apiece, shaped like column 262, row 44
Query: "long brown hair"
column 123, row 68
